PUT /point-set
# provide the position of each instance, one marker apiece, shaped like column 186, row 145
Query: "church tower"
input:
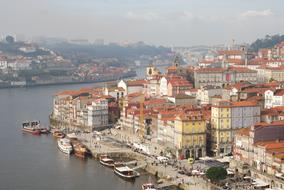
column 151, row 71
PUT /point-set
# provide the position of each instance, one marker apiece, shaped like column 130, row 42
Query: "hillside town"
column 27, row 63
column 230, row 106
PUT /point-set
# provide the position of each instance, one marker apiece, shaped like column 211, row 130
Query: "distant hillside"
column 15, row 49
column 108, row 51
column 267, row 42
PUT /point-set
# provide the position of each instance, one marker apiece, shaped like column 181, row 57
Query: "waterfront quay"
column 112, row 142
column 176, row 131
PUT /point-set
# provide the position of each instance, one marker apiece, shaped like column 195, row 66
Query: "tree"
column 10, row 39
column 216, row 174
column 271, row 80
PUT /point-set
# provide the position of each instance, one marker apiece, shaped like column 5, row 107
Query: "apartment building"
column 226, row 118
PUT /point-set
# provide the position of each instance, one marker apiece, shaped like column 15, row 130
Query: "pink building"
column 178, row 86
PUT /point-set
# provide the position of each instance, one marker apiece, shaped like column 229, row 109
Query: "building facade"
column 226, row 118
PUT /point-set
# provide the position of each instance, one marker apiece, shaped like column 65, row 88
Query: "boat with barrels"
column 148, row 186
column 58, row 134
column 80, row 150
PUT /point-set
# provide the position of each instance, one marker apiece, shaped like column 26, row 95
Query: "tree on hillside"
column 216, row 174
column 10, row 39
column 267, row 42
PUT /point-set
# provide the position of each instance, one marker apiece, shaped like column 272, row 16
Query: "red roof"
column 279, row 92
column 244, row 131
column 136, row 82
column 230, row 52
column 180, row 82
column 155, row 101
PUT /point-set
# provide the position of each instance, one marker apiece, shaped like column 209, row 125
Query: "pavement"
column 116, row 140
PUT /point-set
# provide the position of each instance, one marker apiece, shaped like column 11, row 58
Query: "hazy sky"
column 160, row 22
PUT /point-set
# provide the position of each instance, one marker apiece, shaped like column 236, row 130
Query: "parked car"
column 162, row 159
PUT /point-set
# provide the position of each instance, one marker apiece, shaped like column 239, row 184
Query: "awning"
column 225, row 159
column 260, row 183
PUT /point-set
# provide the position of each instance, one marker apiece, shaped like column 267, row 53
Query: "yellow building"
column 228, row 117
column 190, row 135
column 221, row 128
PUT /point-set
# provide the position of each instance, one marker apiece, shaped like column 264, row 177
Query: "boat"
column 126, row 172
column 44, row 130
column 58, row 134
column 29, row 127
column 72, row 136
column 107, row 162
column 65, row 146
column 148, row 186
column 80, row 150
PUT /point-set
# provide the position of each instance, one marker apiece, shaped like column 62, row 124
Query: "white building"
column 164, row 86
column 98, row 113
column 164, row 83
column 244, row 115
column 132, row 86
column 274, row 98
column 265, row 73
column 3, row 64
column 19, row 64
column 152, row 87
column 116, row 92
column 205, row 93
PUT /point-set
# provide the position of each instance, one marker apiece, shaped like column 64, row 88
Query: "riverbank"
column 108, row 143
column 114, row 81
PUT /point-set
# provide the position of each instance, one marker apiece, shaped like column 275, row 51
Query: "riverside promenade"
column 112, row 142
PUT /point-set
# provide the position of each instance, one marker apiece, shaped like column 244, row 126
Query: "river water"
column 33, row 162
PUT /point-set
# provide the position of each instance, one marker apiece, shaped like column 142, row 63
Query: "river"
column 33, row 162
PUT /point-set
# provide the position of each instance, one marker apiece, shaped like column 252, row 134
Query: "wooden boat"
column 126, row 172
column 80, row 150
column 58, row 134
column 65, row 146
column 148, row 186
column 27, row 127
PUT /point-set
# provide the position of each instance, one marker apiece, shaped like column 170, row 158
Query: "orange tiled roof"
column 173, row 68
column 279, row 92
column 236, row 61
column 244, row 104
column 271, row 144
column 180, row 82
column 155, row 101
column 274, row 123
column 134, row 94
column 136, row 82
column 227, row 104
column 243, row 131
column 230, row 52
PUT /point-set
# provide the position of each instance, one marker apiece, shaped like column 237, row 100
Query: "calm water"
column 31, row 163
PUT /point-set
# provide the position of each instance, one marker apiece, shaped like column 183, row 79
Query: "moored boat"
column 29, row 128
column 58, row 134
column 80, row 150
column 148, row 186
column 44, row 130
column 126, row 172
column 72, row 136
column 107, row 162
column 65, row 146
